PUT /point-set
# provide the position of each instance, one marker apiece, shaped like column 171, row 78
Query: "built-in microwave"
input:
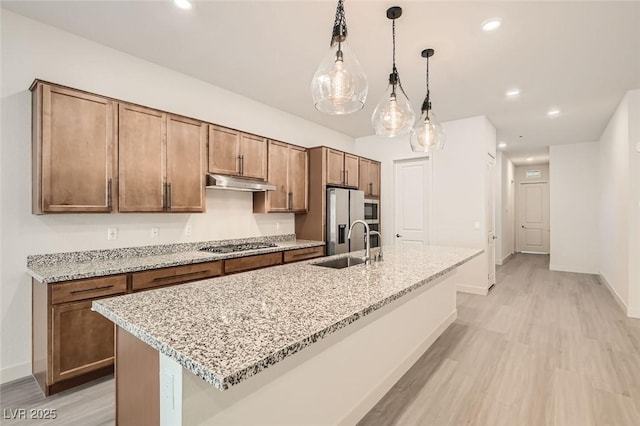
column 374, row 239
column 371, row 211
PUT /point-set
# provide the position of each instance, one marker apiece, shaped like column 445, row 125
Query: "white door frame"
column 428, row 195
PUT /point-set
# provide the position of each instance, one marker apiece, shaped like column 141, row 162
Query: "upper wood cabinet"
column 186, row 159
column 236, row 153
column 73, row 151
column 370, row 178
column 288, row 171
column 161, row 161
column 342, row 168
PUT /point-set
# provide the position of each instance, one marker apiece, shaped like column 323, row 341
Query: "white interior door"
column 491, row 219
column 533, row 217
column 412, row 182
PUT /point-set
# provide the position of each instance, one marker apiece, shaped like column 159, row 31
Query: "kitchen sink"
column 341, row 262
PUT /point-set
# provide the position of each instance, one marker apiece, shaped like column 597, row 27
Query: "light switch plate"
column 187, row 230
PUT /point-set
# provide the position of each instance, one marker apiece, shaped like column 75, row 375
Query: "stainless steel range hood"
column 236, row 183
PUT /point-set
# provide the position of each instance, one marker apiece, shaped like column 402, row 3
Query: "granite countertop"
column 59, row 267
column 227, row 329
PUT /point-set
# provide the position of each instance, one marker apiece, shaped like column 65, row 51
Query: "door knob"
column 398, row 236
column 494, row 237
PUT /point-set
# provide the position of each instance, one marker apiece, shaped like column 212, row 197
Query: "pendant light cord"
column 395, row 70
column 426, row 106
column 339, row 32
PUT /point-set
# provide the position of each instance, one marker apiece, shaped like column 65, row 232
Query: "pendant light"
column 427, row 134
column 339, row 85
column 393, row 115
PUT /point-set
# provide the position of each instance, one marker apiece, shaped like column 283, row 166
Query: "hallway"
column 543, row 348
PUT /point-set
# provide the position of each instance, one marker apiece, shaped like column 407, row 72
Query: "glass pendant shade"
column 339, row 85
column 427, row 134
column 393, row 115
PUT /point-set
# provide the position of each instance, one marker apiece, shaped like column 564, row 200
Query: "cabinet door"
column 224, row 150
column 374, row 173
column 186, row 143
column 335, row 167
column 365, row 183
column 351, row 168
column 253, row 156
column 74, row 155
column 298, row 179
column 278, row 200
column 82, row 340
column 141, row 147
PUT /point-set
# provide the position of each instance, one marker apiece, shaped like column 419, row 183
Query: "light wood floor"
column 543, row 348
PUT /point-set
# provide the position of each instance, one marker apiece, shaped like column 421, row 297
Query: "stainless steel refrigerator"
column 343, row 207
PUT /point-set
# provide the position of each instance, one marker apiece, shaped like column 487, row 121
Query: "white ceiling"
column 578, row 56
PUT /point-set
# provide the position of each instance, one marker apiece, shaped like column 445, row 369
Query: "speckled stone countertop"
column 227, row 329
column 57, row 267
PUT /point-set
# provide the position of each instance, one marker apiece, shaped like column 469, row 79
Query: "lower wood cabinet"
column 302, row 254
column 175, row 275
column 73, row 345
column 82, row 341
column 247, row 263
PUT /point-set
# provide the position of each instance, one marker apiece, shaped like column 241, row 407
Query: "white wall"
column 614, row 203
column 634, row 203
column 505, row 208
column 32, row 50
column 458, row 189
column 575, row 203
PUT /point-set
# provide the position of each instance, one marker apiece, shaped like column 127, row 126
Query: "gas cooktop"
column 230, row 248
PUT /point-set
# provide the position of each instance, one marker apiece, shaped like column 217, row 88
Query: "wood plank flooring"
column 543, row 348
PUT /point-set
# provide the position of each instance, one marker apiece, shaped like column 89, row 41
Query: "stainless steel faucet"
column 367, row 245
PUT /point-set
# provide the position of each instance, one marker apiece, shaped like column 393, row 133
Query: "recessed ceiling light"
column 553, row 112
column 502, row 145
column 491, row 24
column 183, row 4
column 529, row 158
column 512, row 92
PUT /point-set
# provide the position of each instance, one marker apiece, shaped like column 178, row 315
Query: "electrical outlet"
column 112, row 233
column 187, row 230
column 154, row 232
column 277, row 226
column 476, row 225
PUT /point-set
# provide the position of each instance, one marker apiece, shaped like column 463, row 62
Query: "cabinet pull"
column 370, row 188
column 346, row 179
column 242, row 165
column 307, row 253
column 109, row 195
column 164, row 196
column 86, row 290
column 290, row 200
column 172, row 277
column 168, row 196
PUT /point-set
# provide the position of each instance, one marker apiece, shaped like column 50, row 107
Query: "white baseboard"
column 576, row 269
column 633, row 312
column 504, row 259
column 617, row 297
column 14, row 372
column 472, row 289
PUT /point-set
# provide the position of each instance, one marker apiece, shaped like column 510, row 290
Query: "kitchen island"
column 291, row 344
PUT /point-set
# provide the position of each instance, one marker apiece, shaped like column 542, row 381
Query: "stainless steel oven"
column 371, row 210
column 374, row 240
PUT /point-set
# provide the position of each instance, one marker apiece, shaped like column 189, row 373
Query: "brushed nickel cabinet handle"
column 86, row 290
column 168, row 196
column 188, row 274
column 109, row 195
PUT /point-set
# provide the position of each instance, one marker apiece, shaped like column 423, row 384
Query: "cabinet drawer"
column 252, row 262
column 302, row 254
column 88, row 289
column 175, row 275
